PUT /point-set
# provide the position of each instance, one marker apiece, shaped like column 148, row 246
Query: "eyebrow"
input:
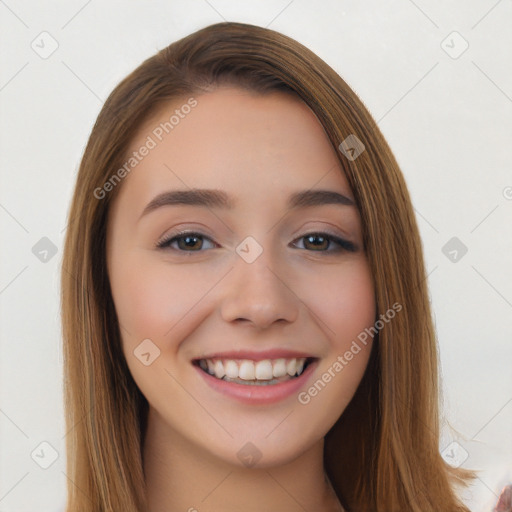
column 219, row 199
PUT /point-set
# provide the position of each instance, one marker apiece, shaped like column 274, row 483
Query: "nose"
column 258, row 293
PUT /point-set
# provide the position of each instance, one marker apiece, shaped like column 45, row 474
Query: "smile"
column 256, row 378
column 260, row 373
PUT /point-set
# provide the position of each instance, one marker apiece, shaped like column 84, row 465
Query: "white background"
column 448, row 121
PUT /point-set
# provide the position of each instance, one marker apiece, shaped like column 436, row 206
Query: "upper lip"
column 276, row 353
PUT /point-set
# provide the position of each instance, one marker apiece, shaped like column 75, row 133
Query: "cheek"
column 149, row 296
column 345, row 307
column 344, row 301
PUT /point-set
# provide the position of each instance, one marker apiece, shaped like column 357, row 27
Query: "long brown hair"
column 383, row 453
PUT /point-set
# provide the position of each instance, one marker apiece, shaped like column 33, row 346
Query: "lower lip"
column 255, row 394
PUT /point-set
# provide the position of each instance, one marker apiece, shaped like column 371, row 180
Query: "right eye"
column 187, row 241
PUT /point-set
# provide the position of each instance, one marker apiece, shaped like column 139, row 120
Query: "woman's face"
column 270, row 274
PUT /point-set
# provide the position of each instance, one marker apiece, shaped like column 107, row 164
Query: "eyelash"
column 344, row 245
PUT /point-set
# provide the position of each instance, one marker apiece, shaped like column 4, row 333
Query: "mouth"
column 250, row 372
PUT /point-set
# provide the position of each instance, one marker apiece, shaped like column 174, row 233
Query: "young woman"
column 245, row 310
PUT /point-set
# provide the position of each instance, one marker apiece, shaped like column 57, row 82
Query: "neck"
column 180, row 476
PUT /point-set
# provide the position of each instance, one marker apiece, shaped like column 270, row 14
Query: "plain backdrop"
column 437, row 76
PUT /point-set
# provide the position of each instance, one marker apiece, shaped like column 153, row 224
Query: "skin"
column 297, row 295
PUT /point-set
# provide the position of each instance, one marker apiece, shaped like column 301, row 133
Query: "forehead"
column 251, row 145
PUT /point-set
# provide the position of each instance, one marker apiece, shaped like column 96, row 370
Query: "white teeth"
column 231, row 369
column 247, row 370
column 279, row 368
column 291, row 367
column 300, row 365
column 263, row 370
column 219, row 369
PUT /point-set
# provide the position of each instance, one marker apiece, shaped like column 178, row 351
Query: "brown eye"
column 322, row 242
column 186, row 242
column 190, row 242
column 316, row 242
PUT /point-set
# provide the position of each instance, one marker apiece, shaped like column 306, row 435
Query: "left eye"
column 320, row 242
column 317, row 242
